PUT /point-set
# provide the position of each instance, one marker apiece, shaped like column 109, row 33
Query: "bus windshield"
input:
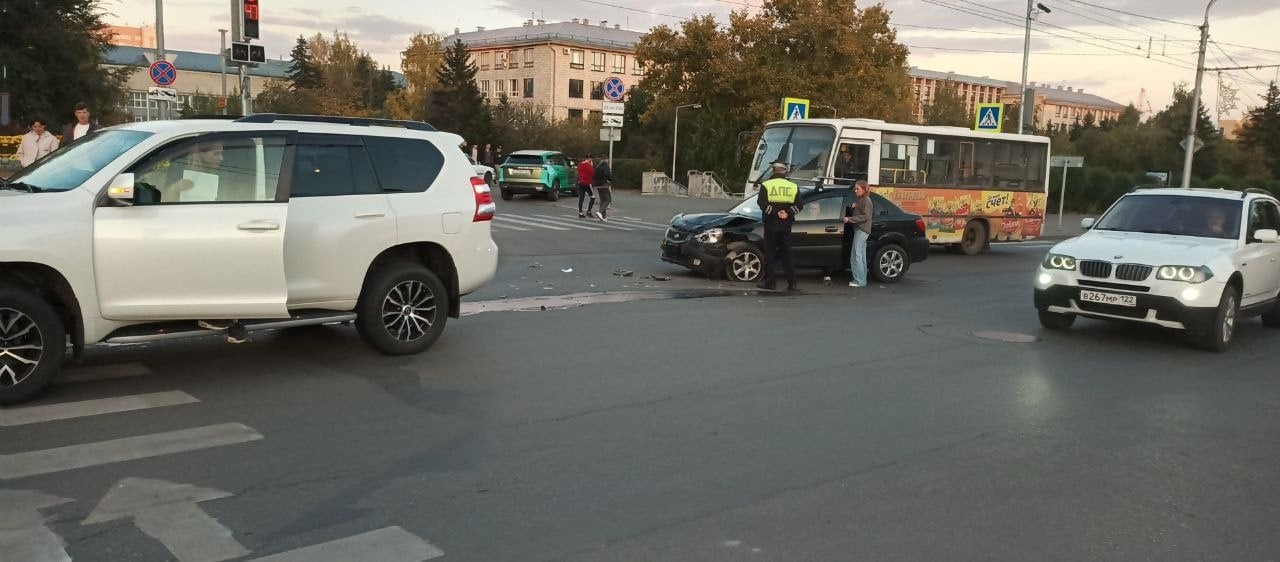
column 806, row 149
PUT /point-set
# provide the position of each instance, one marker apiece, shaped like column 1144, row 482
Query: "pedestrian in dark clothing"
column 488, row 155
column 777, row 201
column 497, row 155
column 83, row 125
column 586, row 175
column 602, row 182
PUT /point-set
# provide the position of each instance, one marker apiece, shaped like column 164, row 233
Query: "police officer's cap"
column 780, row 167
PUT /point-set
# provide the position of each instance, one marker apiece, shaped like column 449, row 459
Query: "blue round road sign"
column 613, row 89
column 163, row 73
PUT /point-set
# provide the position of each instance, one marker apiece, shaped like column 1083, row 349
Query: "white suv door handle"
column 260, row 225
column 370, row 215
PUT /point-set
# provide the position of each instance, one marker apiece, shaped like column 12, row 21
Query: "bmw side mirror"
column 1087, row 223
column 121, row 190
column 1267, row 235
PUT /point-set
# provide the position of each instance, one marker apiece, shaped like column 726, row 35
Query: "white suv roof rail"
column 353, row 121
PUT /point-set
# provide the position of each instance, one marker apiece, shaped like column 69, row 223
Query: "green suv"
column 537, row 172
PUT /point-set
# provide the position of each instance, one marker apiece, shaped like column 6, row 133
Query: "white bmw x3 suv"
column 169, row 229
column 1196, row 260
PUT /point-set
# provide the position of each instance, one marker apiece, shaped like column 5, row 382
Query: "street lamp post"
column 1026, row 62
column 675, row 137
column 1195, row 101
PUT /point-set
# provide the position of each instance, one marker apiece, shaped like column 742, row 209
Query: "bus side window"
column 852, row 163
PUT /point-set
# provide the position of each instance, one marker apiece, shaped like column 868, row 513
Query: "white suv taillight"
column 485, row 208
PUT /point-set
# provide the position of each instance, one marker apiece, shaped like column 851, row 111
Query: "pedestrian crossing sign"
column 989, row 118
column 795, row 109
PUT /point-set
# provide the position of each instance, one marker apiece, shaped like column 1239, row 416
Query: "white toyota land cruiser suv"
column 150, row 231
column 1197, row 260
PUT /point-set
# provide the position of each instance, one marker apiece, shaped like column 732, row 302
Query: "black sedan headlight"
column 1059, row 261
column 712, row 236
column 1184, row 273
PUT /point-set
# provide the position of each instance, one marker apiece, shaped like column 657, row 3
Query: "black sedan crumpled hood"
column 702, row 221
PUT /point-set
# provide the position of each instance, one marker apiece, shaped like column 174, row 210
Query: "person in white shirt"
column 83, row 125
column 36, row 144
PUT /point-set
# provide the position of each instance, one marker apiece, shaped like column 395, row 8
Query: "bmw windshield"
column 1179, row 215
column 69, row 167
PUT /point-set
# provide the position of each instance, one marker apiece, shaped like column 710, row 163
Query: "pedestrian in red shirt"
column 586, row 171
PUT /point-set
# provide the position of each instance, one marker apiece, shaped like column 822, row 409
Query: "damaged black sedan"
column 730, row 244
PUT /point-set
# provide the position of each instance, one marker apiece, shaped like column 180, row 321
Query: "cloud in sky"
column 1102, row 54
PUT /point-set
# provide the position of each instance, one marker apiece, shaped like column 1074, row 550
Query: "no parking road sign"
column 613, row 89
column 163, row 73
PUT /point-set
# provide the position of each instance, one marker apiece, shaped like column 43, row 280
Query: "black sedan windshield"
column 1206, row 217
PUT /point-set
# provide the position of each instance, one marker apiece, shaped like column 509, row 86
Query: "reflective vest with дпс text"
column 779, row 190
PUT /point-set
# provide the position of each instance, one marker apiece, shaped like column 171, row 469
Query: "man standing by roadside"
column 777, row 201
column 497, row 156
column 488, row 155
column 83, row 125
column 586, row 174
column 603, row 184
column 36, row 144
column 859, row 220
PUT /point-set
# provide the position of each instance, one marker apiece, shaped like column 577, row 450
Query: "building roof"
column 190, row 61
column 935, row 75
column 1070, row 97
column 564, row 32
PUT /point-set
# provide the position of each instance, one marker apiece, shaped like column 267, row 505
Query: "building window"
column 620, row 64
column 528, row 58
column 499, row 60
column 576, row 113
column 484, row 61
column 595, row 115
column 515, row 88
column 575, row 58
column 484, row 88
column 637, row 67
column 597, row 62
column 575, row 90
column 597, row 90
column 528, row 87
column 502, row 87
column 513, row 59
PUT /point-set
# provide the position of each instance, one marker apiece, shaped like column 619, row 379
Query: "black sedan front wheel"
column 745, row 264
column 890, row 263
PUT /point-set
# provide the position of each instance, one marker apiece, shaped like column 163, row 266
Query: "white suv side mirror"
column 1267, row 235
column 121, row 189
column 1087, row 223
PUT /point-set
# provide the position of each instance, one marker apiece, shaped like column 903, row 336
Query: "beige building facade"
column 925, row 85
column 557, row 67
column 1061, row 107
column 199, row 75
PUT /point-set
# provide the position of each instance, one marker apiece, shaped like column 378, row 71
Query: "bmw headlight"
column 1058, row 261
column 1184, row 273
column 712, row 236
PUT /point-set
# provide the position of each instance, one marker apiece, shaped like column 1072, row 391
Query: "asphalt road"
column 694, row 420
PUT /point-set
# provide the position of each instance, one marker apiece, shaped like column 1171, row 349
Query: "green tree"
column 1262, row 129
column 457, row 106
column 947, row 108
column 1171, row 128
column 303, row 72
column 54, row 54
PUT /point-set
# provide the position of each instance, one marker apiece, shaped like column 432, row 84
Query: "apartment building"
column 1062, row 106
column 559, row 67
column 974, row 90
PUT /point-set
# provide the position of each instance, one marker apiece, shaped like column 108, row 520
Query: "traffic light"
column 244, row 52
column 249, row 17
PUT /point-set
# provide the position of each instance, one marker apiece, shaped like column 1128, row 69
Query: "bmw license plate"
column 1109, row 298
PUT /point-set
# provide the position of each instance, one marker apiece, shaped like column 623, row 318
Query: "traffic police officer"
column 777, row 201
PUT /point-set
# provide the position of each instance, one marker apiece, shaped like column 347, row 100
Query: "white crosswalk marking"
column 505, row 219
column 557, row 223
column 33, row 463
column 509, row 227
column 594, row 223
column 69, row 410
column 638, row 221
column 391, row 544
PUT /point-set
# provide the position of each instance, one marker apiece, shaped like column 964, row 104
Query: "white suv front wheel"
column 1218, row 336
column 33, row 342
column 403, row 309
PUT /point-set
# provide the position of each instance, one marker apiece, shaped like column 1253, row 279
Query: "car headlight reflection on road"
column 1058, row 261
column 1184, row 273
column 711, row 236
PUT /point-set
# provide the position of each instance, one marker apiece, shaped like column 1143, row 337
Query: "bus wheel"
column 974, row 239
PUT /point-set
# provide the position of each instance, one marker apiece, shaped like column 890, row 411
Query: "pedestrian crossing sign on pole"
column 795, row 109
column 989, row 118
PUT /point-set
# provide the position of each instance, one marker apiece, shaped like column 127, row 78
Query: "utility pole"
column 1195, row 101
column 162, row 106
column 222, row 65
column 1026, row 62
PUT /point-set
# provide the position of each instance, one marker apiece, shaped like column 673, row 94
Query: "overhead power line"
column 1153, row 18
